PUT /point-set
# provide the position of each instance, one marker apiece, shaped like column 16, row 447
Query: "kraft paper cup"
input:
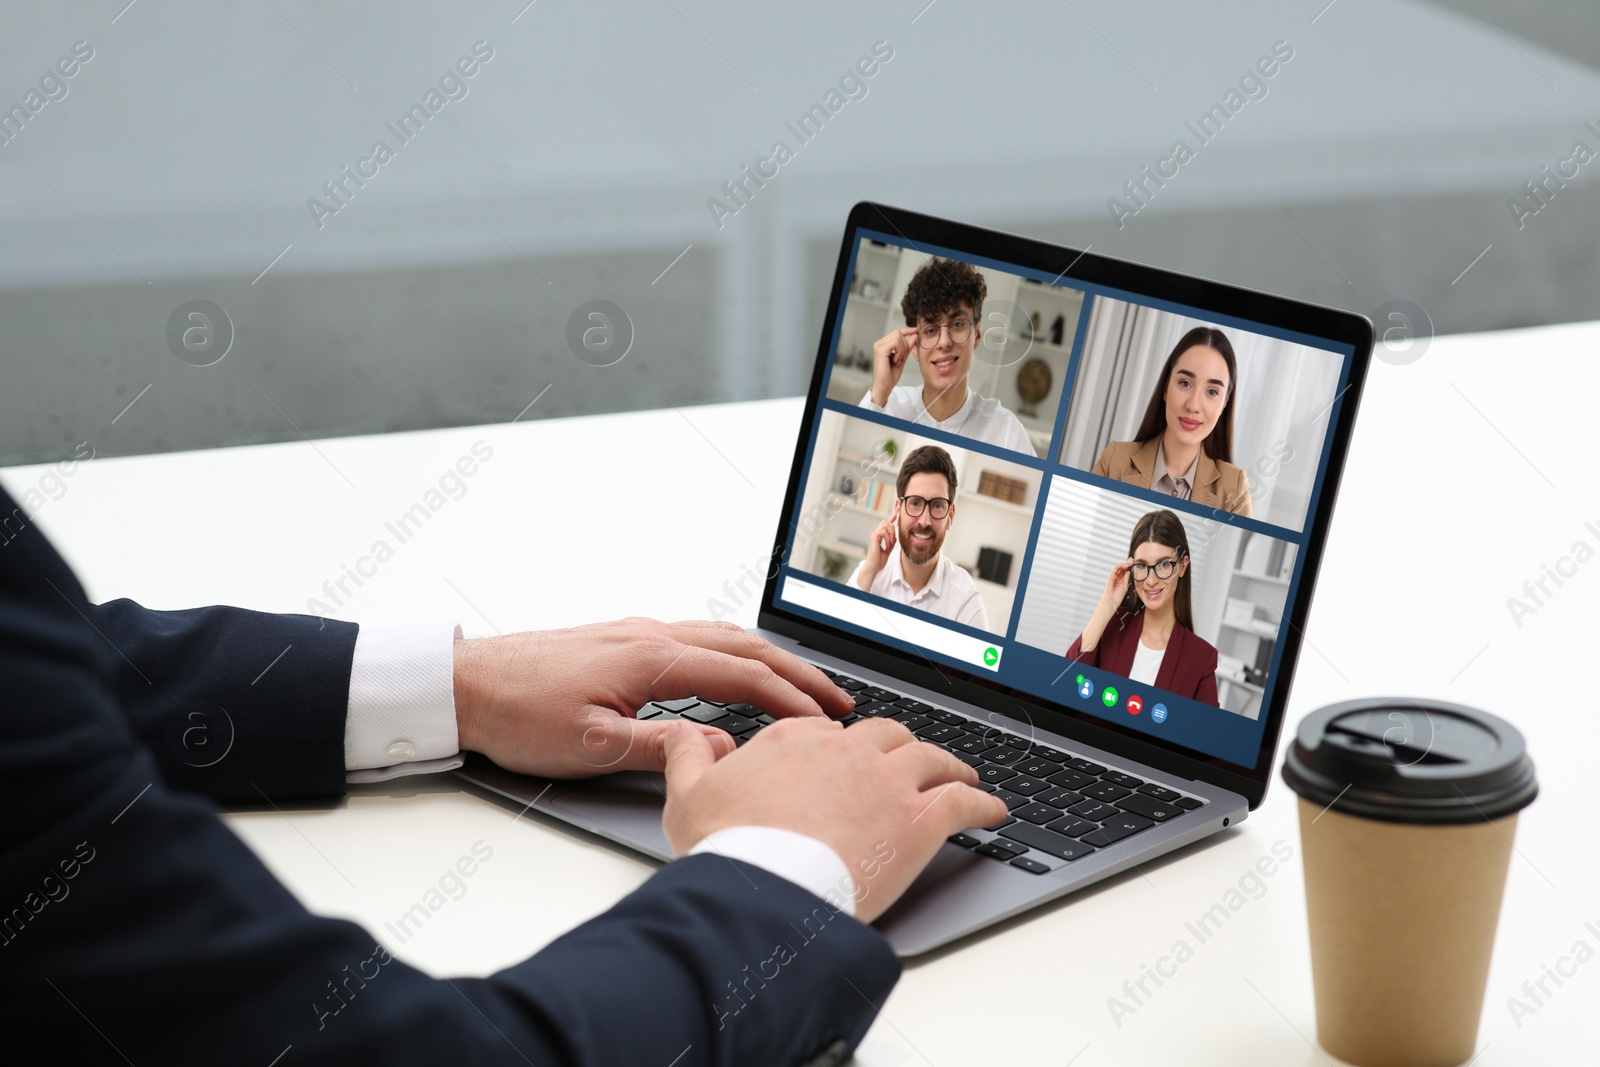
column 1407, row 813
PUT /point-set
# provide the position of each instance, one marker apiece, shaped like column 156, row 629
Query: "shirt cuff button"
column 402, row 750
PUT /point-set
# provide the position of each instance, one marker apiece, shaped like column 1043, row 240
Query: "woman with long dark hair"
column 1143, row 627
column 1184, row 446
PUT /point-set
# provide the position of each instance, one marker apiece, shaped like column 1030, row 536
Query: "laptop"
column 1100, row 599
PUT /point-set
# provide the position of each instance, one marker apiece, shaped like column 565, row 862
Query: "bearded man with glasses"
column 918, row 574
column 943, row 307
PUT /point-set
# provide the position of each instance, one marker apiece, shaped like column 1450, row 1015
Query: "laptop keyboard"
column 1062, row 807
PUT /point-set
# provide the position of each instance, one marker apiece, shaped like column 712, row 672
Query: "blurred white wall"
column 578, row 165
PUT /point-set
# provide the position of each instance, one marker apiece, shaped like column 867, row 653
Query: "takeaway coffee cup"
column 1407, row 811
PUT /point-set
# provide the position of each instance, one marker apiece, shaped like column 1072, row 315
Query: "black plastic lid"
column 1406, row 760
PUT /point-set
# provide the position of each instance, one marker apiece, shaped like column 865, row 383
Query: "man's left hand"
column 560, row 703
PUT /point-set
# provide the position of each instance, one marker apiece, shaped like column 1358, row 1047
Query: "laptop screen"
column 1088, row 495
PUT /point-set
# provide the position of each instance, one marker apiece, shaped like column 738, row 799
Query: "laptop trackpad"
column 623, row 807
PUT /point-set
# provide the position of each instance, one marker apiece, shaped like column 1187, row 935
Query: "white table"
column 1471, row 469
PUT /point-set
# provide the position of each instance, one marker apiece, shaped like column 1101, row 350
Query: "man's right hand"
column 879, row 545
column 890, row 354
column 561, row 703
column 881, row 799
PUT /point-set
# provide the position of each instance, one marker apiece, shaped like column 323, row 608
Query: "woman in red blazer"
column 1143, row 628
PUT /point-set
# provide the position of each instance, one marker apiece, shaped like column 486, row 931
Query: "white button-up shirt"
column 950, row 593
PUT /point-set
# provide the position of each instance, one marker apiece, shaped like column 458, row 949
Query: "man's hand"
column 877, row 796
column 560, row 703
column 890, row 354
column 879, row 545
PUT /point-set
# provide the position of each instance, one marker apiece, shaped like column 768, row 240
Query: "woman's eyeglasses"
column 1164, row 570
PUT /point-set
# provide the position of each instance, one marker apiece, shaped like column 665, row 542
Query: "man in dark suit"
column 134, row 927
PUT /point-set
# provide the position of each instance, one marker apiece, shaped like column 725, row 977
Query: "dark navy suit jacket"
column 134, row 926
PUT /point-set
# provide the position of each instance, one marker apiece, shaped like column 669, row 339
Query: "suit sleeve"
column 1206, row 688
column 1090, row 658
column 236, row 705
column 1237, row 499
column 1102, row 466
column 141, row 929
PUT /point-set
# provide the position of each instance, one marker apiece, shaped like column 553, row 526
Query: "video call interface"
column 1091, row 496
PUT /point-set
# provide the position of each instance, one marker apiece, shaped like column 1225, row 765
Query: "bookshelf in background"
column 1258, row 590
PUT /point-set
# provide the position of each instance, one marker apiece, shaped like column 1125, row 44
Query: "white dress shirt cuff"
column 868, row 402
column 800, row 858
column 401, row 717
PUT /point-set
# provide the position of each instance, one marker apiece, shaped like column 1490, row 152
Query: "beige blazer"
column 1217, row 484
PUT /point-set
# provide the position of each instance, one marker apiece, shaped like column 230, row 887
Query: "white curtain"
column 1114, row 379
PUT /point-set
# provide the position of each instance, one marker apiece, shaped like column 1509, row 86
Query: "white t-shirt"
column 950, row 593
column 980, row 418
column 1146, row 663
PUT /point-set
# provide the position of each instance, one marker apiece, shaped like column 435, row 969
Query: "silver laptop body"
column 980, row 878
